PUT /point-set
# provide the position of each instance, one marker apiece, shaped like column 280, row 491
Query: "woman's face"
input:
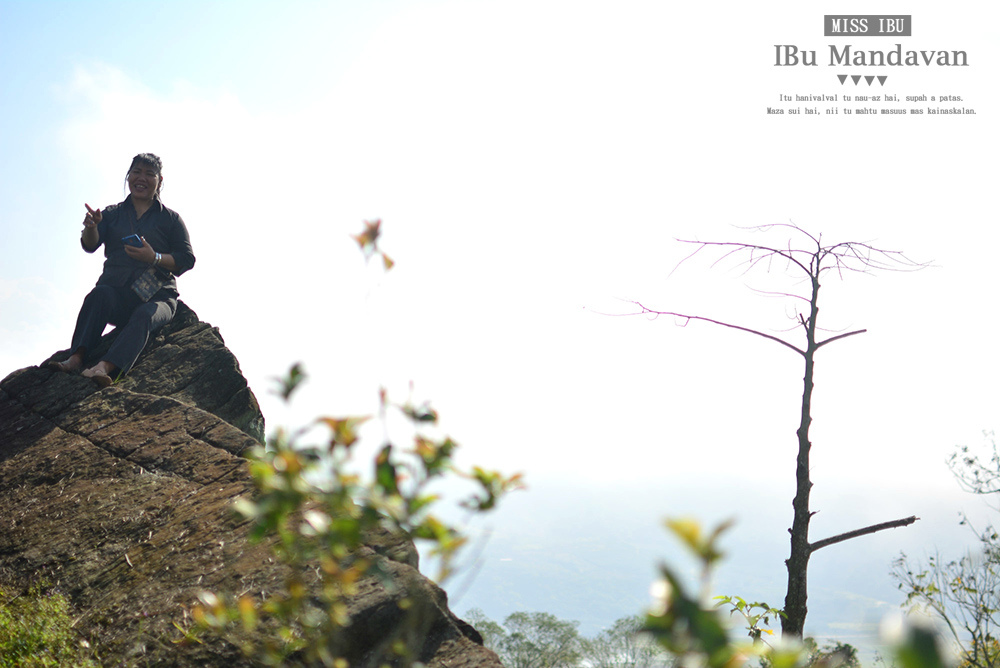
column 143, row 181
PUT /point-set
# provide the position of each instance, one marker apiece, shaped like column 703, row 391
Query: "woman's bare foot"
column 101, row 373
column 71, row 363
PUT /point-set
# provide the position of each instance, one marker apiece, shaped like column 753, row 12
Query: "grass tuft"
column 36, row 632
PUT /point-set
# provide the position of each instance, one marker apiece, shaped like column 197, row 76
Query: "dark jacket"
column 163, row 228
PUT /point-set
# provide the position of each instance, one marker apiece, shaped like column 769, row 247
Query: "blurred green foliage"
column 321, row 512
column 318, row 512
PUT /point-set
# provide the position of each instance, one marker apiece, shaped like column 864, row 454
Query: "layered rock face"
column 120, row 499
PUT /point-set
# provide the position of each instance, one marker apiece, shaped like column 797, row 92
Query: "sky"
column 534, row 164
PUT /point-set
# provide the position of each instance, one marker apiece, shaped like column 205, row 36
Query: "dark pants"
column 120, row 307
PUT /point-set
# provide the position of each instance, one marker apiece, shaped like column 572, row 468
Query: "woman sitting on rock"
column 145, row 245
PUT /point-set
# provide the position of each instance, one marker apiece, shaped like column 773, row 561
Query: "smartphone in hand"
column 132, row 240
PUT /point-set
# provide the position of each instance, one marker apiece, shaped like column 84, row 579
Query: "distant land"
column 589, row 552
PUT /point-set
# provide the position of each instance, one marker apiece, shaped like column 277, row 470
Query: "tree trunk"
column 798, row 561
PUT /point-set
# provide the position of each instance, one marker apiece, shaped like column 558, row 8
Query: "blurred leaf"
column 421, row 413
column 290, row 382
column 420, row 502
column 435, row 455
column 385, row 471
column 494, row 486
column 689, row 532
column 246, row 508
column 786, row 657
column 344, row 430
column 683, row 625
column 920, row 649
column 316, row 523
column 288, row 461
column 248, row 613
column 369, row 237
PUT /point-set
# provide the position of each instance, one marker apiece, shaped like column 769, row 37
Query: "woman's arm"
column 181, row 257
column 181, row 254
column 148, row 255
column 91, row 238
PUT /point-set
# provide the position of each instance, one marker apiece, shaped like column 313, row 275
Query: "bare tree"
column 810, row 261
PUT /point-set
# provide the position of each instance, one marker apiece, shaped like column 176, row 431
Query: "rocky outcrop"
column 187, row 360
column 120, row 499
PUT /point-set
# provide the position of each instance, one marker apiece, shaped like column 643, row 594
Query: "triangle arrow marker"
column 882, row 79
column 857, row 78
column 870, row 79
column 843, row 78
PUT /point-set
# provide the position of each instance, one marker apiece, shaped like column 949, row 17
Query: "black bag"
column 150, row 282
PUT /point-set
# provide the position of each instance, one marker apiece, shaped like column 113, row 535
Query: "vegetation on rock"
column 36, row 631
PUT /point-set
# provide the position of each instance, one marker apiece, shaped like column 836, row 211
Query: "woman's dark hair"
column 153, row 161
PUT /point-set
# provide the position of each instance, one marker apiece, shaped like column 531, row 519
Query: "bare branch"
column 677, row 266
column 769, row 293
column 894, row 524
column 766, row 250
column 768, row 226
column 839, row 336
column 855, row 256
column 686, row 317
column 863, row 257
